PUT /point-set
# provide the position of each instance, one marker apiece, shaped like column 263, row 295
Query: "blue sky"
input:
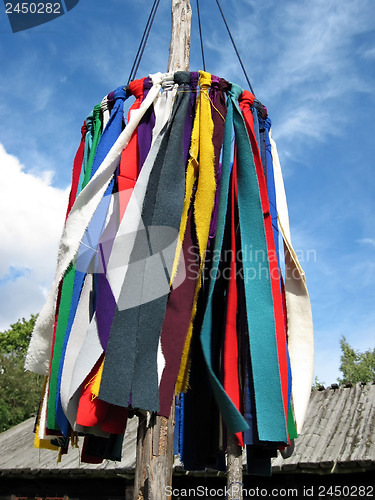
column 312, row 63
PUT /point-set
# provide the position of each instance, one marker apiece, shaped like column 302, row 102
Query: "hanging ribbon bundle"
column 170, row 283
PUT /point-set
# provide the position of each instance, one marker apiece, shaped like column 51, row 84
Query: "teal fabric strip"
column 232, row 417
column 258, row 292
column 88, row 144
column 98, row 122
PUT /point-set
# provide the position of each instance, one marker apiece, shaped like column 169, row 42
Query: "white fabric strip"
column 163, row 106
column 39, row 352
column 299, row 316
column 105, row 111
column 76, row 340
column 43, row 415
column 90, row 347
column 132, row 221
column 90, row 352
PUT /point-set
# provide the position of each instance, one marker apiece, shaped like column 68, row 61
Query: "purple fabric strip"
column 177, row 318
column 214, row 91
column 219, row 111
column 105, row 300
column 145, row 127
column 194, row 77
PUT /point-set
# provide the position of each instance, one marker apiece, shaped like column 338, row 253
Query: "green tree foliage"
column 19, row 390
column 356, row 366
column 317, row 383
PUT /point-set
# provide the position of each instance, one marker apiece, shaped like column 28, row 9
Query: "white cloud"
column 32, row 215
column 307, row 121
column 316, row 42
column 303, row 58
column 367, row 241
column 369, row 53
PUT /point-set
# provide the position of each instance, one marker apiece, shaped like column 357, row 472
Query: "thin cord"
column 132, row 72
column 147, row 34
column 200, row 34
column 234, row 46
column 143, row 41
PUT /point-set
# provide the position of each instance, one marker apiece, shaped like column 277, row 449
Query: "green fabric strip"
column 292, row 430
column 62, row 323
column 95, row 140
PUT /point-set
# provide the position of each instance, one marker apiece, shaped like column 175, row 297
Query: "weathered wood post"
column 179, row 48
column 154, row 465
column 234, row 468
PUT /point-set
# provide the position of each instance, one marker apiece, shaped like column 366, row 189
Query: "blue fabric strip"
column 275, row 227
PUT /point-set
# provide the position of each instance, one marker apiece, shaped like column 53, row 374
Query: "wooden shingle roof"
column 339, row 432
column 18, row 455
column 338, row 436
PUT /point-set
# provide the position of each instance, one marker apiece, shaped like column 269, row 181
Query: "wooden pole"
column 179, row 48
column 234, row 468
column 154, row 465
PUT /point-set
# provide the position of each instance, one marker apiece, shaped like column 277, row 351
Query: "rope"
column 235, row 47
column 143, row 41
column 200, row 35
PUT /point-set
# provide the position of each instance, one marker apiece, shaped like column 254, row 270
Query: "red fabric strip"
column 93, row 412
column 129, row 163
column 245, row 101
column 177, row 319
column 231, row 375
column 77, row 165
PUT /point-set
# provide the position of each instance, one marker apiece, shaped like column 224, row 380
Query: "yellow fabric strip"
column 205, row 195
column 96, row 384
column 201, row 156
column 43, row 444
